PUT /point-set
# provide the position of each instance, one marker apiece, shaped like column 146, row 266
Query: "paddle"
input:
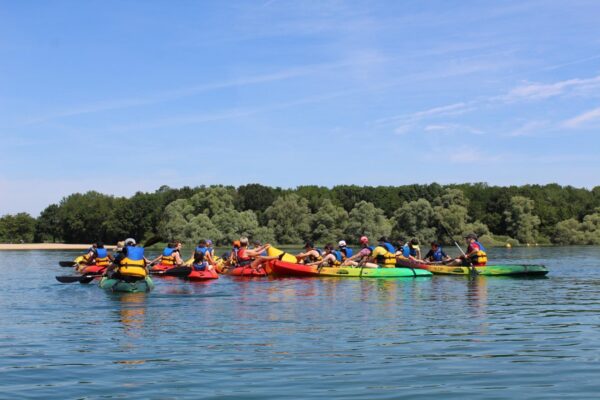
column 76, row 278
column 180, row 272
column 67, row 263
column 472, row 269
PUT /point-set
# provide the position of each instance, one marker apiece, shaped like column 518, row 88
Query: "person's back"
column 132, row 264
column 168, row 257
column 201, row 256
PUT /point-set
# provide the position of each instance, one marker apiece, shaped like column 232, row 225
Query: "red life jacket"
column 242, row 257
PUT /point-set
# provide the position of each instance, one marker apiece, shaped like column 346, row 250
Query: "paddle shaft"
column 471, row 266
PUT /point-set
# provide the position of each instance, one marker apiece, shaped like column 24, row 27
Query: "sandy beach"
column 48, row 246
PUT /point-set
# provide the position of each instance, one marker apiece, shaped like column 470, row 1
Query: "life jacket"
column 200, row 254
column 413, row 250
column 479, row 258
column 405, row 251
column 133, row 264
column 386, row 258
column 389, row 247
column 102, row 257
column 346, row 252
column 86, row 258
column 310, row 259
column 167, row 257
column 339, row 257
column 437, row 255
column 242, row 258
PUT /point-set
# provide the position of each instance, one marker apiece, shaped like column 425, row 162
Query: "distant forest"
column 519, row 215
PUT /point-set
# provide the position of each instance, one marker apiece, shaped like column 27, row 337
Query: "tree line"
column 540, row 214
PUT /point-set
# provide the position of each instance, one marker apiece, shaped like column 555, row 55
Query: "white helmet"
column 342, row 243
column 130, row 241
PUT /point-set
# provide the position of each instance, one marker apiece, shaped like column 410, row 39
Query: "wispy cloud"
column 582, row 119
column 541, row 91
column 529, row 128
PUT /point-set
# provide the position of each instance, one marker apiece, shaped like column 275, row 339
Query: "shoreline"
column 48, row 246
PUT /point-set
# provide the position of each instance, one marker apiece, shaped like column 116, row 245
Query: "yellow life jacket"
column 383, row 256
column 133, row 264
column 479, row 258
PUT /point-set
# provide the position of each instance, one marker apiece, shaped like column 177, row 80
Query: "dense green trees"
column 529, row 214
column 18, row 228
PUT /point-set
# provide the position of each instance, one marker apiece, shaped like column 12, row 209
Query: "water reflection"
column 132, row 313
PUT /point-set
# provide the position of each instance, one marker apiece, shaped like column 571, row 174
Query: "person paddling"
column 252, row 257
column 345, row 251
column 362, row 257
column 97, row 255
column 170, row 256
column 436, row 255
column 329, row 259
column 130, row 263
column 202, row 257
column 476, row 254
column 310, row 254
column 384, row 254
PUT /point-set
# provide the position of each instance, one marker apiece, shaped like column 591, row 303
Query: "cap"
column 236, row 243
column 342, row 243
column 130, row 241
column 471, row 236
column 364, row 239
column 208, row 241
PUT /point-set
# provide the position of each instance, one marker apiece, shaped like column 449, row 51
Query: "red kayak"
column 160, row 269
column 247, row 271
column 93, row 270
column 203, row 275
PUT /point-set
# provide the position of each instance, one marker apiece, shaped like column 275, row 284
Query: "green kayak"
column 488, row 270
column 282, row 268
column 119, row 285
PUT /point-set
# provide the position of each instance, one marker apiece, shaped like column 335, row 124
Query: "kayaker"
column 384, row 254
column 402, row 250
column 130, row 263
column 97, row 255
column 202, row 257
column 346, row 251
column 257, row 244
column 88, row 257
column 362, row 257
column 211, row 249
column 330, row 258
column 436, row 254
column 171, row 255
column 233, row 254
column 251, row 257
column 476, row 254
column 310, row 254
column 414, row 250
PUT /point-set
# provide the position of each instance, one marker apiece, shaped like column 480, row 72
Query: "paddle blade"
column 181, row 272
column 66, row 263
column 75, row 278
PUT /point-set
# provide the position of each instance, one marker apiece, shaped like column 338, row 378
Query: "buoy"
column 508, row 245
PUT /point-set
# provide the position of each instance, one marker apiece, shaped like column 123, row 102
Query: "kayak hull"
column 160, row 269
column 245, row 271
column 92, row 270
column 487, row 270
column 119, row 285
column 203, row 275
column 282, row 268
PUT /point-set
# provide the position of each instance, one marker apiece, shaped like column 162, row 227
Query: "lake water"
column 450, row 337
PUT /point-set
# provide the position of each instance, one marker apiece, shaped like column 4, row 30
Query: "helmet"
column 208, row 242
column 342, row 243
column 471, row 236
column 130, row 241
column 364, row 239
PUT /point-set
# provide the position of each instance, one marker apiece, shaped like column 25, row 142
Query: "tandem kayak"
column 121, row 285
column 487, row 270
column 282, row 268
column 160, row 269
column 202, row 275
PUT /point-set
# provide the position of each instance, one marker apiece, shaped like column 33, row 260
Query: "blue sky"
column 121, row 96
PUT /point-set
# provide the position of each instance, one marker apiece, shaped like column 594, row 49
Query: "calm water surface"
column 488, row 338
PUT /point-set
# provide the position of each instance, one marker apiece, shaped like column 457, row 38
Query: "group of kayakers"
column 130, row 260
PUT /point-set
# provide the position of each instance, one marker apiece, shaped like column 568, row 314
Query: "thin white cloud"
column 582, row 119
column 529, row 128
column 541, row 91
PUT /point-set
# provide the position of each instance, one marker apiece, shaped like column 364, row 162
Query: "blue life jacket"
column 347, row 251
column 412, row 251
column 406, row 251
column 388, row 246
column 135, row 253
column 200, row 254
column 371, row 248
column 338, row 255
column 480, row 246
column 101, row 253
column 168, row 251
column 438, row 255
